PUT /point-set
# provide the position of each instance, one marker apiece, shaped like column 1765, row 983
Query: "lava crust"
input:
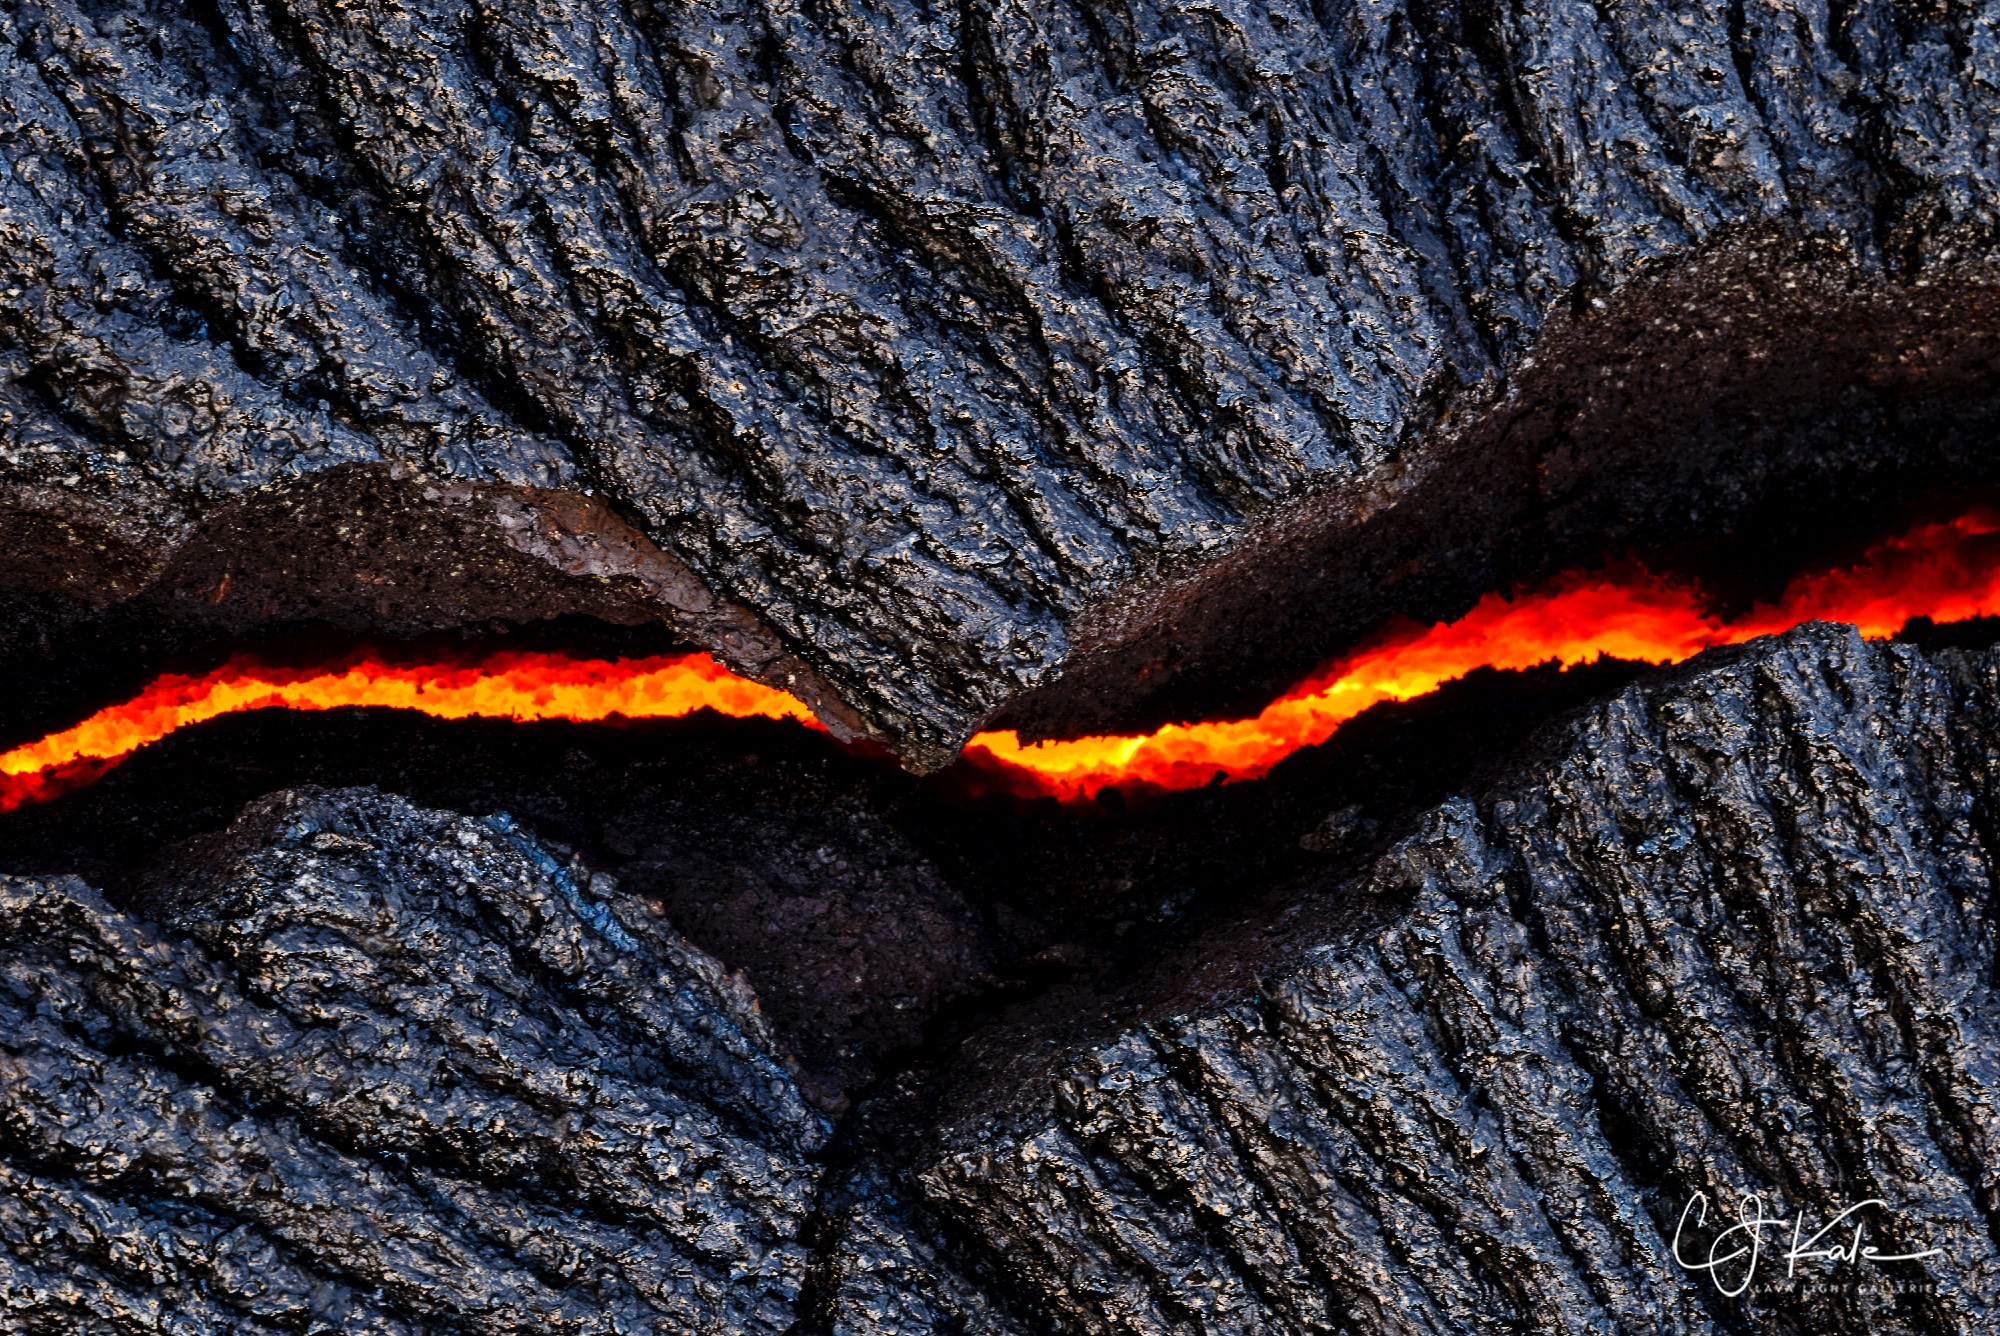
column 382, row 1069
column 1730, row 932
column 1025, row 363
column 356, row 1063
column 946, row 370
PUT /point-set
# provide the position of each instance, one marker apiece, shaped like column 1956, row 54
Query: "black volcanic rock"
column 387, row 1070
column 355, row 1065
column 1731, row 932
column 1040, row 360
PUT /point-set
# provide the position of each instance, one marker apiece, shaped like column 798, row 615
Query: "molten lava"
column 1945, row 572
column 516, row 686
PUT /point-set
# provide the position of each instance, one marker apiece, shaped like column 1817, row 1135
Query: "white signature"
column 1742, row 1244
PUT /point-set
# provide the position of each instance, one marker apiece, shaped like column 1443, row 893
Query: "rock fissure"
column 953, row 367
column 1721, row 932
column 1310, row 316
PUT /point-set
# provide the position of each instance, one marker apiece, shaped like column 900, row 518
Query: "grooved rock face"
column 946, row 363
column 1729, row 933
column 387, row 1070
column 377, row 1068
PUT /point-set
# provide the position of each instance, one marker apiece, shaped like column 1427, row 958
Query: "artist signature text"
column 1735, row 1253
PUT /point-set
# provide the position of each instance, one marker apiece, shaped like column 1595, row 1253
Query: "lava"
column 518, row 686
column 1946, row 572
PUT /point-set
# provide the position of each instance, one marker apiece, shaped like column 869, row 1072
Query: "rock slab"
column 382, row 1069
column 1731, row 933
column 946, row 363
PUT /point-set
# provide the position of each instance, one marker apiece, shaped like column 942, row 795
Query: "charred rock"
column 1729, row 933
column 981, row 362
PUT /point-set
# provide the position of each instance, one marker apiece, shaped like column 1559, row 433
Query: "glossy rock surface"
column 387, row 1070
column 957, row 361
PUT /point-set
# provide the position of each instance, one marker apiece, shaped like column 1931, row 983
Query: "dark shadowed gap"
column 879, row 915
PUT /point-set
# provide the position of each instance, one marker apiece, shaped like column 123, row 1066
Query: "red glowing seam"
column 1945, row 572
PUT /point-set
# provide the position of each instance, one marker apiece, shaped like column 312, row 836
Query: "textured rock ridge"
column 960, row 353
column 354, row 1065
column 1731, row 932
column 388, row 1070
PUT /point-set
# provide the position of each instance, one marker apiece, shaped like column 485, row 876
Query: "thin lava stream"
column 1946, row 572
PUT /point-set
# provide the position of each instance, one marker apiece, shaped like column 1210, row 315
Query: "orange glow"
column 1946, row 572
column 521, row 687
column 1940, row 571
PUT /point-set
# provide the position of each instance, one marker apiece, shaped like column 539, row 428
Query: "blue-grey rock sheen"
column 363, row 1067
column 381, row 1069
column 1011, row 358
column 1731, row 932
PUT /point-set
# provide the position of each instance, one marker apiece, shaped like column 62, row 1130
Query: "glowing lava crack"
column 1946, row 572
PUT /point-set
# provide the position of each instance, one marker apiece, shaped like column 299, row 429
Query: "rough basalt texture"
column 353, row 1065
column 950, row 360
column 1731, row 932
column 380, row 1069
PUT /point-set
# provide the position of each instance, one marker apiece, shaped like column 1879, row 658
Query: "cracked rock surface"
column 353, row 1065
column 381, row 1069
column 1731, row 932
column 940, row 362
